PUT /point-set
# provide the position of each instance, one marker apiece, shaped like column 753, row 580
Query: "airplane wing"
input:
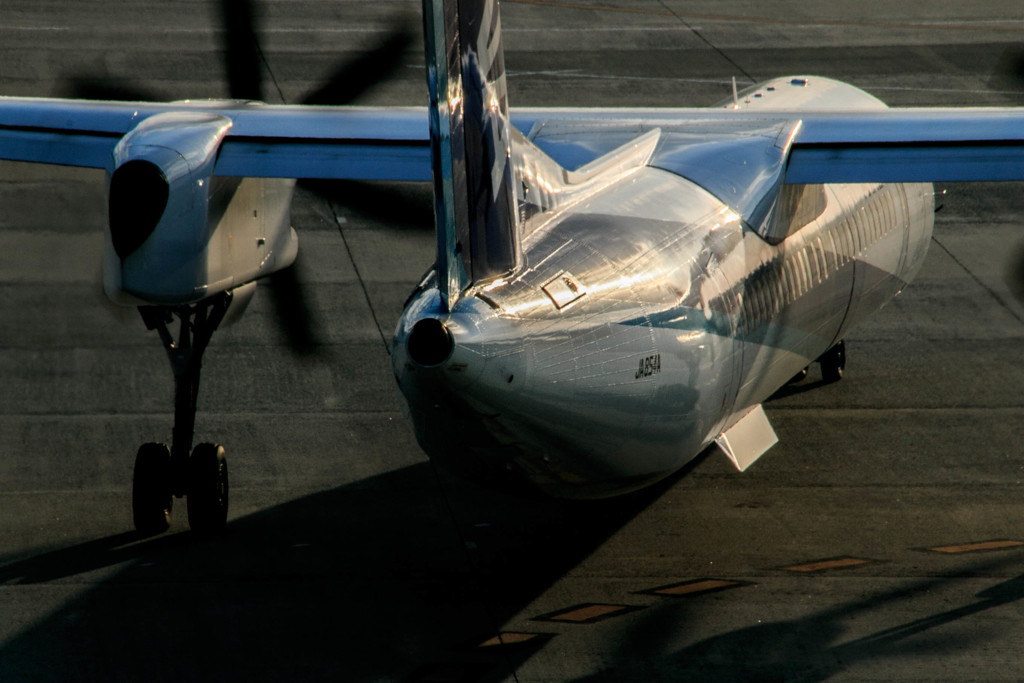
column 904, row 145
column 884, row 145
column 393, row 143
column 263, row 140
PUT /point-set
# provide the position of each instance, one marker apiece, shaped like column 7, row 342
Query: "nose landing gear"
column 163, row 473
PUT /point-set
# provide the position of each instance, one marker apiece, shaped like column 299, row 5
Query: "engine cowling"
column 176, row 233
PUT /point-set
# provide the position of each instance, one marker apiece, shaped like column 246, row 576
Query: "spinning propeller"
column 1013, row 66
column 245, row 66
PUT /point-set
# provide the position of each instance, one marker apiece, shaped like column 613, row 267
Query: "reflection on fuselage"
column 688, row 317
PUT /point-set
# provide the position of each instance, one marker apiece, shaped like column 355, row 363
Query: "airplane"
column 615, row 290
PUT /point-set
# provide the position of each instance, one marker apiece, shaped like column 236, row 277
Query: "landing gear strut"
column 200, row 474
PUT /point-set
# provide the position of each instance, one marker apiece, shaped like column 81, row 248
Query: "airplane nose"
column 430, row 343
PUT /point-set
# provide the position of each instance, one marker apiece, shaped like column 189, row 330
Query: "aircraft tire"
column 798, row 377
column 207, row 488
column 833, row 362
column 151, row 489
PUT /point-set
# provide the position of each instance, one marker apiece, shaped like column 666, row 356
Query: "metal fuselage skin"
column 642, row 319
column 177, row 234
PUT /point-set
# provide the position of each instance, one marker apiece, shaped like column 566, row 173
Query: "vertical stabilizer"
column 470, row 138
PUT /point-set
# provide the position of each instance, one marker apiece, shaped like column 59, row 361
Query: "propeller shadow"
column 399, row 205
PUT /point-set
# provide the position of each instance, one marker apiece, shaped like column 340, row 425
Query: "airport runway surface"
column 880, row 539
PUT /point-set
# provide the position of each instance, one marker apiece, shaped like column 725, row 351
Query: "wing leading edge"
column 906, row 145
column 884, row 145
column 284, row 141
column 267, row 141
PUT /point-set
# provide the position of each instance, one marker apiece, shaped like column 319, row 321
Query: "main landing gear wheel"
column 798, row 377
column 833, row 362
column 151, row 489
column 207, row 488
column 161, row 472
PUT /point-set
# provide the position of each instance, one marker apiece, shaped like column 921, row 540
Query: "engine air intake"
column 138, row 197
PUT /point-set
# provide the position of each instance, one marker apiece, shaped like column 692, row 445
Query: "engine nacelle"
column 176, row 234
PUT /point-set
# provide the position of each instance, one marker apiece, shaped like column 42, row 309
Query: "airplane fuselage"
column 641, row 320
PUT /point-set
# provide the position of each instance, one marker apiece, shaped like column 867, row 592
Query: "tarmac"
column 881, row 539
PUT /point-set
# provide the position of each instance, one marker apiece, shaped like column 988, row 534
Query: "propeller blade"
column 1015, row 273
column 85, row 87
column 298, row 322
column 243, row 58
column 1010, row 71
column 352, row 79
column 409, row 205
column 1010, row 67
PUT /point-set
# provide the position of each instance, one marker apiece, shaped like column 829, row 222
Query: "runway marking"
column 512, row 639
column 827, row 564
column 587, row 613
column 695, row 587
column 981, row 546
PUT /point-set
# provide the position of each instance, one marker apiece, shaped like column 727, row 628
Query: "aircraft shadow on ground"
column 787, row 390
column 370, row 581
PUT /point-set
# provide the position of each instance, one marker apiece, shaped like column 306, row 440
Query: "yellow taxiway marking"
column 511, row 638
column 976, row 547
column 587, row 613
column 823, row 565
